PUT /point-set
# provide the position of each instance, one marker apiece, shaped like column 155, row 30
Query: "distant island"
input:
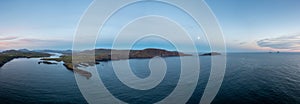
column 210, row 54
column 106, row 55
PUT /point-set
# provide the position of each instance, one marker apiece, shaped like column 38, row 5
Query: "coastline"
column 100, row 55
column 9, row 55
column 110, row 55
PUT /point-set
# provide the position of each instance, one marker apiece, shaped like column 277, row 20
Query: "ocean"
column 250, row 78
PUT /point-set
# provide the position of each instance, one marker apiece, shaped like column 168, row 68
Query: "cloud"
column 285, row 42
column 8, row 38
column 32, row 40
column 33, row 43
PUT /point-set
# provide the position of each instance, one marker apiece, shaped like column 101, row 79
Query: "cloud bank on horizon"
column 33, row 43
column 284, row 42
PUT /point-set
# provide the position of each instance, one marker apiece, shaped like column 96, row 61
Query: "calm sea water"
column 249, row 78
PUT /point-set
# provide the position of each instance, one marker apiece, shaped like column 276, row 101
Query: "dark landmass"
column 210, row 54
column 67, row 59
column 9, row 55
column 46, row 62
column 100, row 55
column 110, row 54
column 107, row 54
column 86, row 74
column 23, row 50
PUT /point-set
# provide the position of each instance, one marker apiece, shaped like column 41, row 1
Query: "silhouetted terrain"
column 110, row 54
column 9, row 55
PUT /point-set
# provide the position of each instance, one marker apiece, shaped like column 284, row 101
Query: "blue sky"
column 248, row 25
column 39, row 23
column 249, row 21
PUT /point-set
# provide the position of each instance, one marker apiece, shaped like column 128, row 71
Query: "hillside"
column 110, row 54
column 9, row 55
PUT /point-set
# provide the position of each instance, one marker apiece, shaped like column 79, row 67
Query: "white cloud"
column 32, row 43
column 291, row 42
column 8, row 38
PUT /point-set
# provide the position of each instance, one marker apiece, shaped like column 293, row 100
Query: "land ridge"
column 113, row 54
column 100, row 55
column 9, row 55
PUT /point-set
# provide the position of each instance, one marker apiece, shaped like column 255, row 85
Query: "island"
column 46, row 62
column 9, row 55
column 210, row 54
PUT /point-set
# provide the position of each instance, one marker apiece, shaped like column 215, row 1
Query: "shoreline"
column 9, row 55
column 101, row 55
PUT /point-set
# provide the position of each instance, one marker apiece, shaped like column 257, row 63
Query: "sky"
column 247, row 25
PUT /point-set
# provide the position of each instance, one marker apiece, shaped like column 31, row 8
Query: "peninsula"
column 100, row 55
column 111, row 54
column 9, row 55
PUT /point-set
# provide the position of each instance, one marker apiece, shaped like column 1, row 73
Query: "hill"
column 9, row 55
column 111, row 54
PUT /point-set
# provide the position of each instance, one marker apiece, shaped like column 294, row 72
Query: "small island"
column 210, row 54
column 46, row 62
